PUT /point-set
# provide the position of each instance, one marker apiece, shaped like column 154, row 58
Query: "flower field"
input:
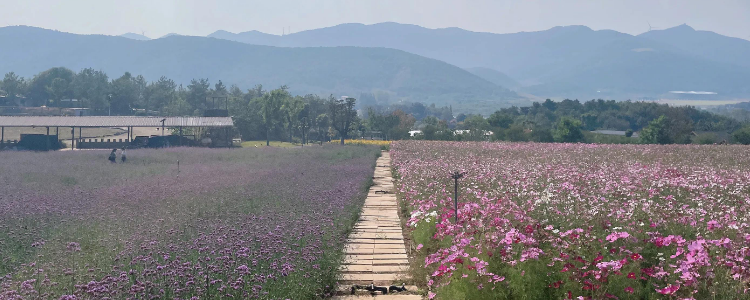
column 265, row 223
column 578, row 221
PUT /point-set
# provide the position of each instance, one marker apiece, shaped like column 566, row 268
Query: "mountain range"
column 398, row 75
column 471, row 71
column 570, row 61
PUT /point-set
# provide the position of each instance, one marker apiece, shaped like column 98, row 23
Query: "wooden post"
column 72, row 138
column 180, row 135
column 128, row 133
column 46, row 137
column 226, row 135
column 80, row 134
column 2, row 135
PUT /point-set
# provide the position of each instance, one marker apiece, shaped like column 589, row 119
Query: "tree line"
column 573, row 121
column 258, row 114
column 278, row 115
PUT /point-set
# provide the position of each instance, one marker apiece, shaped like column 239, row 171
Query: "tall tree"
column 656, row 132
column 91, row 88
column 343, row 115
column 291, row 108
column 57, row 89
column 568, row 130
column 38, row 92
column 271, row 109
column 197, row 93
column 14, row 86
column 322, row 122
column 123, row 94
column 160, row 93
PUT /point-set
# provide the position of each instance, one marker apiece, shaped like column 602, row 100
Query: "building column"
column 46, row 137
column 180, row 135
column 72, row 138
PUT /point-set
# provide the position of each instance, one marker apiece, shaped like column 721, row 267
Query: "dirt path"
column 375, row 253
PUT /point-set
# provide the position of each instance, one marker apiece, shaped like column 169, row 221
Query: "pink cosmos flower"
column 669, row 290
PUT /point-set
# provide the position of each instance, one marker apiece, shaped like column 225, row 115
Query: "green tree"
column 270, row 111
column 499, row 119
column 91, row 88
column 38, row 92
column 542, row 135
column 477, row 126
column 568, row 130
column 123, row 94
column 163, row 93
column 322, row 122
column 386, row 123
column 14, row 86
column 405, row 123
column 57, row 89
column 290, row 109
column 343, row 115
column 516, row 133
column 197, row 93
column 656, row 132
column 742, row 135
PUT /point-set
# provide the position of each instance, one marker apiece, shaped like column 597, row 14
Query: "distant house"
column 412, row 133
column 614, row 132
column 466, row 131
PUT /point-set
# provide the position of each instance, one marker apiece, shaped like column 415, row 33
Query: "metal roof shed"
column 110, row 121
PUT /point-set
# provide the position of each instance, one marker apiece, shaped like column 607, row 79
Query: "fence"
column 102, row 143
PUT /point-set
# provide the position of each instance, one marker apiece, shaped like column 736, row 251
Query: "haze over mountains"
column 393, row 74
column 472, row 71
column 571, row 61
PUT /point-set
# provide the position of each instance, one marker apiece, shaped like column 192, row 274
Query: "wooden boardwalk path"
column 375, row 252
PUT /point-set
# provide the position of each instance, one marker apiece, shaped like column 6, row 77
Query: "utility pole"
column 456, row 176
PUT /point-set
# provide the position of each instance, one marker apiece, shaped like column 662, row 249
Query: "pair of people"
column 113, row 156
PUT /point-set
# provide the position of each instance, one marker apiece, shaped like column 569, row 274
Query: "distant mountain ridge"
column 323, row 71
column 135, row 36
column 704, row 44
column 564, row 61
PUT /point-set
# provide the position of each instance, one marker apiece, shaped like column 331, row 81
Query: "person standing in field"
column 123, row 158
column 113, row 156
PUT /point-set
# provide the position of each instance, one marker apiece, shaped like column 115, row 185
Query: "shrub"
column 742, row 136
column 568, row 130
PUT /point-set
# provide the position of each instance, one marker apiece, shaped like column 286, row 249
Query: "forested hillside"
column 323, row 71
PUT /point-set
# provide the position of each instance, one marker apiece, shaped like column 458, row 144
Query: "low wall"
column 102, row 143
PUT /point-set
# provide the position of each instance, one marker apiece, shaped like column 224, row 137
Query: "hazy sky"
column 201, row 17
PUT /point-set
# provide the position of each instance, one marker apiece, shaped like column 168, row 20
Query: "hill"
column 323, row 71
column 135, row 36
column 569, row 61
column 495, row 77
column 705, row 44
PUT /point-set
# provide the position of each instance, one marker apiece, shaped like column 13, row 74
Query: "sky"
column 200, row 17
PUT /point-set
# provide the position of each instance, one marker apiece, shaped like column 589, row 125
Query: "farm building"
column 220, row 126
